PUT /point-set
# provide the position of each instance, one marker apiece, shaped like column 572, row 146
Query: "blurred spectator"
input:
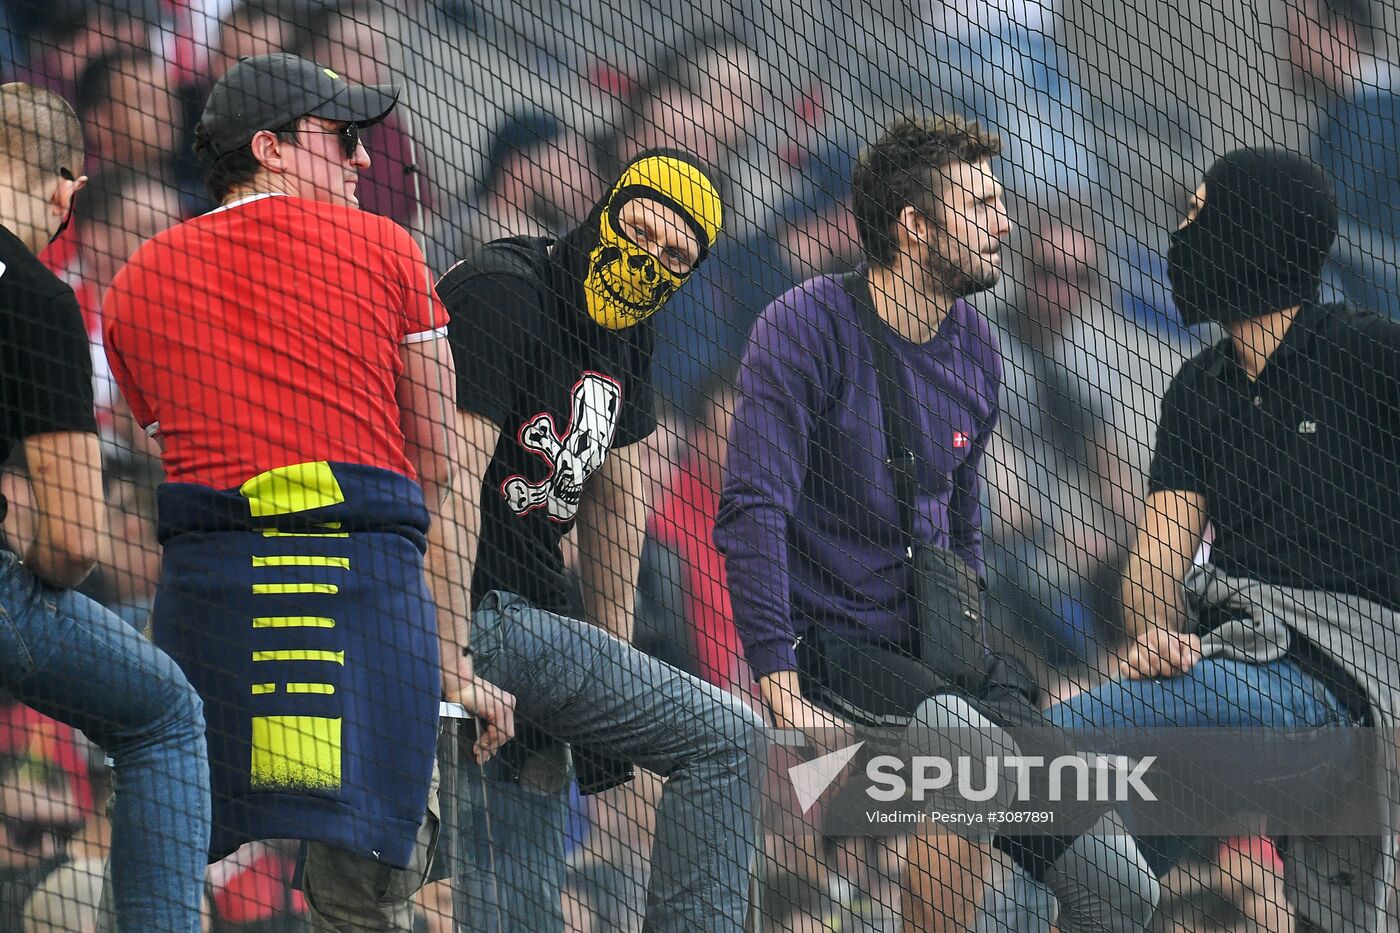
column 68, row 901
column 539, row 181
column 608, row 873
column 352, row 39
column 255, row 27
column 120, row 210
column 129, row 568
column 704, row 97
column 1330, row 47
column 128, row 114
column 1045, row 474
column 1133, row 349
column 1090, row 345
column 249, row 27
column 70, row 34
column 682, row 526
column 816, row 231
column 1002, row 62
column 45, row 797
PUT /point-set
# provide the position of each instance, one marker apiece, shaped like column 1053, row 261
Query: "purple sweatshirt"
column 808, row 521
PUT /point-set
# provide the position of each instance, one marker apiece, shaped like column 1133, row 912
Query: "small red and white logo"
column 961, row 439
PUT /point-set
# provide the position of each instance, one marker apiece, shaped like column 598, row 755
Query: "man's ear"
column 64, row 191
column 915, row 225
column 267, row 149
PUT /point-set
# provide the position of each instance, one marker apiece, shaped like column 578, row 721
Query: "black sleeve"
column 1380, row 355
column 52, row 383
column 638, row 419
column 494, row 320
column 1176, row 459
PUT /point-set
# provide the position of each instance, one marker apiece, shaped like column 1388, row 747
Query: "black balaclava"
column 616, row 281
column 1259, row 242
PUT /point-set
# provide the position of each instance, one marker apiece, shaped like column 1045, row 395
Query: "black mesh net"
column 615, row 465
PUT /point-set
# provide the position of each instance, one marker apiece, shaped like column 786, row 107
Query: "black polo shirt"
column 1300, row 468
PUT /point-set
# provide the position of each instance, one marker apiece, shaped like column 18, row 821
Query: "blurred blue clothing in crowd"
column 703, row 328
column 1358, row 144
column 1015, row 77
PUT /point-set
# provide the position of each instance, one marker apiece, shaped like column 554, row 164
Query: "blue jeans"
column 69, row 658
column 580, row 685
column 510, row 847
column 1214, row 694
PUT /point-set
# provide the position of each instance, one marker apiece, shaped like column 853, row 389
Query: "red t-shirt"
column 267, row 333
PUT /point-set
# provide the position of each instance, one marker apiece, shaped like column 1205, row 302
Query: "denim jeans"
column 580, row 685
column 510, row 840
column 69, row 658
column 1215, row 694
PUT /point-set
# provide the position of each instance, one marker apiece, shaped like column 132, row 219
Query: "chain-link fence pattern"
column 737, row 466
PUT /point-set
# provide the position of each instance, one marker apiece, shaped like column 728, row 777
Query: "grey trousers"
column 580, row 685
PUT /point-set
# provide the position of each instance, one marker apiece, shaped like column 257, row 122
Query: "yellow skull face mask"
column 625, row 283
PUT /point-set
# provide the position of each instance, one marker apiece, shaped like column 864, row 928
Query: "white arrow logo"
column 811, row 778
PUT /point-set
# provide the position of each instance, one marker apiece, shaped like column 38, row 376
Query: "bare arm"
column 425, row 410
column 1167, row 538
column 65, row 472
column 434, row 446
column 455, row 539
column 611, row 529
column 474, row 439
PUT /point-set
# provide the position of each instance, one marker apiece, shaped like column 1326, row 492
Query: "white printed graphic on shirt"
column 573, row 456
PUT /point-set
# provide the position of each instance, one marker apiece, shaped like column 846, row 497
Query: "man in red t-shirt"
column 288, row 352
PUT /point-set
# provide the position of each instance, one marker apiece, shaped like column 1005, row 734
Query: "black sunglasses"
column 348, row 136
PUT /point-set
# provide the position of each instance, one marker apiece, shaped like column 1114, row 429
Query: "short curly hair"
column 905, row 167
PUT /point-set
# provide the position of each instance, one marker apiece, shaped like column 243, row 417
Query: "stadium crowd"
column 515, row 119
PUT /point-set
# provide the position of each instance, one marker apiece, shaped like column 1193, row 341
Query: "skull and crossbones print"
column 572, row 455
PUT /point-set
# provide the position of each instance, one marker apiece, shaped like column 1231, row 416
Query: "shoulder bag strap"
column 893, row 405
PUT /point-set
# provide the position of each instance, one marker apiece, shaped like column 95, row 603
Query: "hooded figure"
column 613, row 277
column 1258, row 244
column 552, row 342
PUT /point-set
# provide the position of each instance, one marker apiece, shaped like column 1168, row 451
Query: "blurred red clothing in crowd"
column 31, row 739
column 683, row 522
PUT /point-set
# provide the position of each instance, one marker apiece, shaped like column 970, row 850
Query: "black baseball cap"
column 267, row 92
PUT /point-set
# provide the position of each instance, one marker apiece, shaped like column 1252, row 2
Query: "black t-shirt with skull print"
column 563, row 390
